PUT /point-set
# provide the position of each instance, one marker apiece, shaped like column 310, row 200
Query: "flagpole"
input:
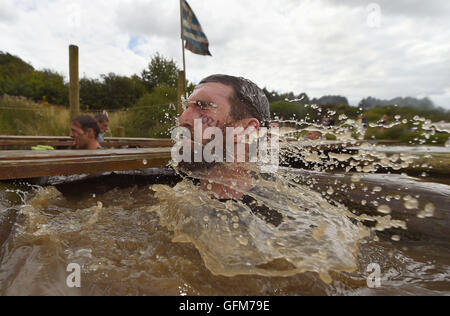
column 182, row 42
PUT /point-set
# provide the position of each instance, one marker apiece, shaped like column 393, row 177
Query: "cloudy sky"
column 353, row 48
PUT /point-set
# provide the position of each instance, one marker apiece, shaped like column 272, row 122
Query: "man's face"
column 209, row 104
column 103, row 126
column 199, row 108
column 81, row 138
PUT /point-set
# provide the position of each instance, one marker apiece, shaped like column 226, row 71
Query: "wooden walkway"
column 67, row 142
column 25, row 164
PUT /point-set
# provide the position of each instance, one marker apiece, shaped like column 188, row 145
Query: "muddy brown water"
column 108, row 225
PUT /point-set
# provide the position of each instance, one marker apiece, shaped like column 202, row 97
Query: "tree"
column 154, row 114
column 287, row 110
column 160, row 71
column 111, row 92
column 20, row 79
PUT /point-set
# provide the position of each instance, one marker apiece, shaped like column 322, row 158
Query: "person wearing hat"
column 223, row 101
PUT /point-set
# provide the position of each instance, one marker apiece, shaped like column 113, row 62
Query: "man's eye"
column 201, row 104
column 205, row 105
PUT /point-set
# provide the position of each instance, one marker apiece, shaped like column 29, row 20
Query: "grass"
column 404, row 134
column 21, row 116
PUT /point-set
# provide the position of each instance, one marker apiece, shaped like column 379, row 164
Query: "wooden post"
column 121, row 132
column 181, row 91
column 74, row 91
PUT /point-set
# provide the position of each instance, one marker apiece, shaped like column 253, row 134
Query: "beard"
column 192, row 165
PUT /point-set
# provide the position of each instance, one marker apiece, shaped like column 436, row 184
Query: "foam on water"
column 313, row 235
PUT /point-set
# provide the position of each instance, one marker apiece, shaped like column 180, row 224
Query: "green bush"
column 154, row 114
column 287, row 110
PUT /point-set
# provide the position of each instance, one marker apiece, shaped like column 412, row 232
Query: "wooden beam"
column 68, row 142
column 74, row 90
column 24, row 164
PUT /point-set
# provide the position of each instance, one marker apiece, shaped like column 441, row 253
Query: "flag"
column 196, row 40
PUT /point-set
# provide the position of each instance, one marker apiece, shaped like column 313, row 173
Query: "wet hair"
column 101, row 117
column 247, row 101
column 86, row 122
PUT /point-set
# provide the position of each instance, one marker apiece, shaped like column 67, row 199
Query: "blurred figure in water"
column 84, row 130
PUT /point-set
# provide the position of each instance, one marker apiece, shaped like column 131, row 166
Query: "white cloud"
column 7, row 12
column 318, row 47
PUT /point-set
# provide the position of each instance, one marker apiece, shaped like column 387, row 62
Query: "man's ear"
column 248, row 123
column 91, row 133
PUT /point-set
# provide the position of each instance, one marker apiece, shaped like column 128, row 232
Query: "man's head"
column 84, row 130
column 237, row 102
column 103, row 122
column 222, row 101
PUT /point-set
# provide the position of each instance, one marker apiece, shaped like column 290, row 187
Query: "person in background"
column 103, row 124
column 313, row 135
column 326, row 121
column 383, row 122
column 84, row 130
column 364, row 121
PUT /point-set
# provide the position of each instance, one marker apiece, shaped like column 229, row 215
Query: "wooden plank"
column 50, row 154
column 68, row 142
column 74, row 162
column 36, row 143
column 63, row 138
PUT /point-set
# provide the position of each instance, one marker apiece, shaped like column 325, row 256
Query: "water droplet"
column 356, row 178
column 428, row 211
column 410, row 202
column 384, row 209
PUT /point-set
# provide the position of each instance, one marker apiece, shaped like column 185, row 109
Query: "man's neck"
column 227, row 181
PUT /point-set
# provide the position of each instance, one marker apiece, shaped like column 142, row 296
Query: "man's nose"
column 188, row 117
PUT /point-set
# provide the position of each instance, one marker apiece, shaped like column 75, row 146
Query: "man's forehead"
column 212, row 90
column 76, row 125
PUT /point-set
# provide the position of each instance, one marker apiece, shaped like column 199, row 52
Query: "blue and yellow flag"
column 196, row 40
